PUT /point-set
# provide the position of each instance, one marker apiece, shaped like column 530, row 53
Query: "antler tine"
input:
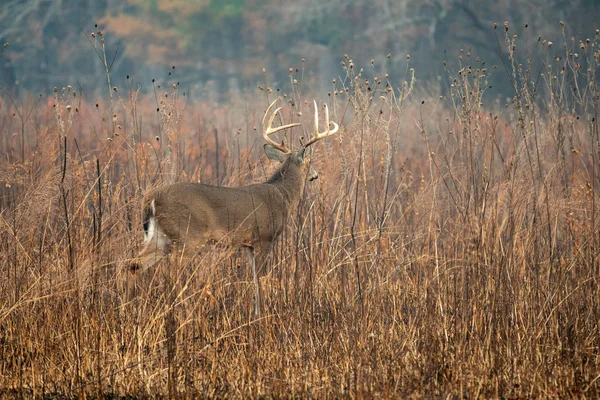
column 269, row 130
column 328, row 132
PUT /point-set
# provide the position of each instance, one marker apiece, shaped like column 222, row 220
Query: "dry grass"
column 445, row 250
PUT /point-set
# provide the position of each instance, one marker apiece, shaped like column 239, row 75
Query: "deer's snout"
column 312, row 174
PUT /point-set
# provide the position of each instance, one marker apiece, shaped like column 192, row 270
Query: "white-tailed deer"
column 191, row 214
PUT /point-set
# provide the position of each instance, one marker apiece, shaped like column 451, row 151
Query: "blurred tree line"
column 222, row 45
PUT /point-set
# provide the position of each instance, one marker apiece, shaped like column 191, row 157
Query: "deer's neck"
column 290, row 180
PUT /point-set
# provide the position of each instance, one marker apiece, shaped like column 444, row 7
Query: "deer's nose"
column 312, row 175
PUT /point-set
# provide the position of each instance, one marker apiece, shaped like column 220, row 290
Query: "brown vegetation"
column 447, row 248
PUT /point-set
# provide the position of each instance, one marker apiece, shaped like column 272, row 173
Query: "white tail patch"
column 151, row 230
column 154, row 231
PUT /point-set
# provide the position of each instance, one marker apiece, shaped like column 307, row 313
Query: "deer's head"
column 297, row 159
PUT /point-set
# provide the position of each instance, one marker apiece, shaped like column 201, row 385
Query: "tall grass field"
column 449, row 249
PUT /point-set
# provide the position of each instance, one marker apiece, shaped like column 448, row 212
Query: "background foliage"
column 230, row 41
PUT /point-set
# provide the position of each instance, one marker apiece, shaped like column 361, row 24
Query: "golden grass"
column 445, row 249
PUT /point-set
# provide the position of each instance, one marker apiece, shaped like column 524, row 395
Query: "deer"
column 252, row 217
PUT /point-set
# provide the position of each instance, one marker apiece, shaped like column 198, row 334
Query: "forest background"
column 212, row 42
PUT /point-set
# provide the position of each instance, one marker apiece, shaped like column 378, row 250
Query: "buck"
column 252, row 217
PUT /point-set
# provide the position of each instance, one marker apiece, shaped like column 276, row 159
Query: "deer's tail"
column 148, row 218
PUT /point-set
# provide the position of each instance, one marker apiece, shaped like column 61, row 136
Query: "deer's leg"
column 251, row 258
column 154, row 251
column 262, row 252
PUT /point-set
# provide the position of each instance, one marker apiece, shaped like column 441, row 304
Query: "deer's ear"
column 298, row 156
column 274, row 154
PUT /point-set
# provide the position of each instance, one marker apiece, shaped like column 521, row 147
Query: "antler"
column 269, row 130
column 328, row 132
